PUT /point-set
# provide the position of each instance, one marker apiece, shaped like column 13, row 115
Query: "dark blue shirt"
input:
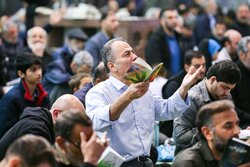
column 175, row 56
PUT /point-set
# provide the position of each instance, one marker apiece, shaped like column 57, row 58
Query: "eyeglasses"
column 77, row 145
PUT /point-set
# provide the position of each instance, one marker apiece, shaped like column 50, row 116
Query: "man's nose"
column 236, row 131
column 134, row 57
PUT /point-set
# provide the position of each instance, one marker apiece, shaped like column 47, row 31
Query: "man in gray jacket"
column 220, row 79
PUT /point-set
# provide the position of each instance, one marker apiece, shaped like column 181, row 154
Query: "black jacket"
column 157, row 51
column 33, row 120
column 241, row 96
column 244, row 29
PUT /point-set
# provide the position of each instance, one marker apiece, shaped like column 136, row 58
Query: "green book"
column 141, row 71
column 110, row 158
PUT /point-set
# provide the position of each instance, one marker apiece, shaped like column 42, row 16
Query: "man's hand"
column 189, row 80
column 93, row 149
column 137, row 90
column 134, row 91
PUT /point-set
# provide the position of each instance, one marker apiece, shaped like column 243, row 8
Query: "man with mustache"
column 37, row 39
column 217, row 123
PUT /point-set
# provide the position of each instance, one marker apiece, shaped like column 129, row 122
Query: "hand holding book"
column 140, row 71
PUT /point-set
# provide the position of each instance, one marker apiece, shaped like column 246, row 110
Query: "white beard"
column 36, row 46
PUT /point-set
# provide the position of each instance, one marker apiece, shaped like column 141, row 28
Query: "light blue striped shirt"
column 130, row 135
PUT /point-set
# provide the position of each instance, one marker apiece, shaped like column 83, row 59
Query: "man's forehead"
column 228, row 116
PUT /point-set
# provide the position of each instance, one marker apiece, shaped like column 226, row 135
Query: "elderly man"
column 217, row 123
column 56, row 80
column 10, row 45
column 125, row 109
column 241, row 23
column 229, row 51
column 37, row 40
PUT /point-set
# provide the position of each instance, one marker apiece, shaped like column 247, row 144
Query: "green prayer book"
column 141, row 71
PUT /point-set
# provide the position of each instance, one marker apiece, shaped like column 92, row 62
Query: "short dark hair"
column 190, row 54
column 107, row 51
column 75, row 80
column 32, row 150
column 169, row 8
column 67, row 120
column 225, row 71
column 100, row 72
column 26, row 60
column 105, row 14
column 205, row 115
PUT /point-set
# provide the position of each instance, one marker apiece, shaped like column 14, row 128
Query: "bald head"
column 65, row 103
column 231, row 43
column 232, row 34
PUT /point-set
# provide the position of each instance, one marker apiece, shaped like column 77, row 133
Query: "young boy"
column 29, row 92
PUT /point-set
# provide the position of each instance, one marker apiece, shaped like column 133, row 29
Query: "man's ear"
column 212, row 79
column 111, row 66
column 15, row 161
column 20, row 74
column 207, row 132
column 55, row 113
column 242, row 56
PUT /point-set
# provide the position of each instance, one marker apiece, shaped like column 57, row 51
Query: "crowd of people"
column 65, row 106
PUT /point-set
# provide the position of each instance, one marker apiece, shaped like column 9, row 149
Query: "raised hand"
column 93, row 149
column 189, row 80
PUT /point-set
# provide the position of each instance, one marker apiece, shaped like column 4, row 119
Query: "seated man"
column 217, row 123
column 71, row 129
column 28, row 93
column 37, row 39
column 56, row 81
column 29, row 151
column 75, row 42
column 125, row 109
column 220, row 79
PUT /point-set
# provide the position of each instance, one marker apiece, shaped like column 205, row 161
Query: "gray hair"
column 83, row 57
column 30, row 31
column 242, row 45
column 107, row 51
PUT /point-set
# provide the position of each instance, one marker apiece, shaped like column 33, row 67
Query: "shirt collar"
column 206, row 152
column 120, row 86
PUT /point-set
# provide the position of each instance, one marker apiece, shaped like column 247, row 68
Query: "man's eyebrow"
column 126, row 51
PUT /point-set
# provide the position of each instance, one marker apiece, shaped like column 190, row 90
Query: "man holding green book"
column 127, row 111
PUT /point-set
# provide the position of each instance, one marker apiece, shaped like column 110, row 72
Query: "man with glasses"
column 241, row 93
column 220, row 79
column 191, row 58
